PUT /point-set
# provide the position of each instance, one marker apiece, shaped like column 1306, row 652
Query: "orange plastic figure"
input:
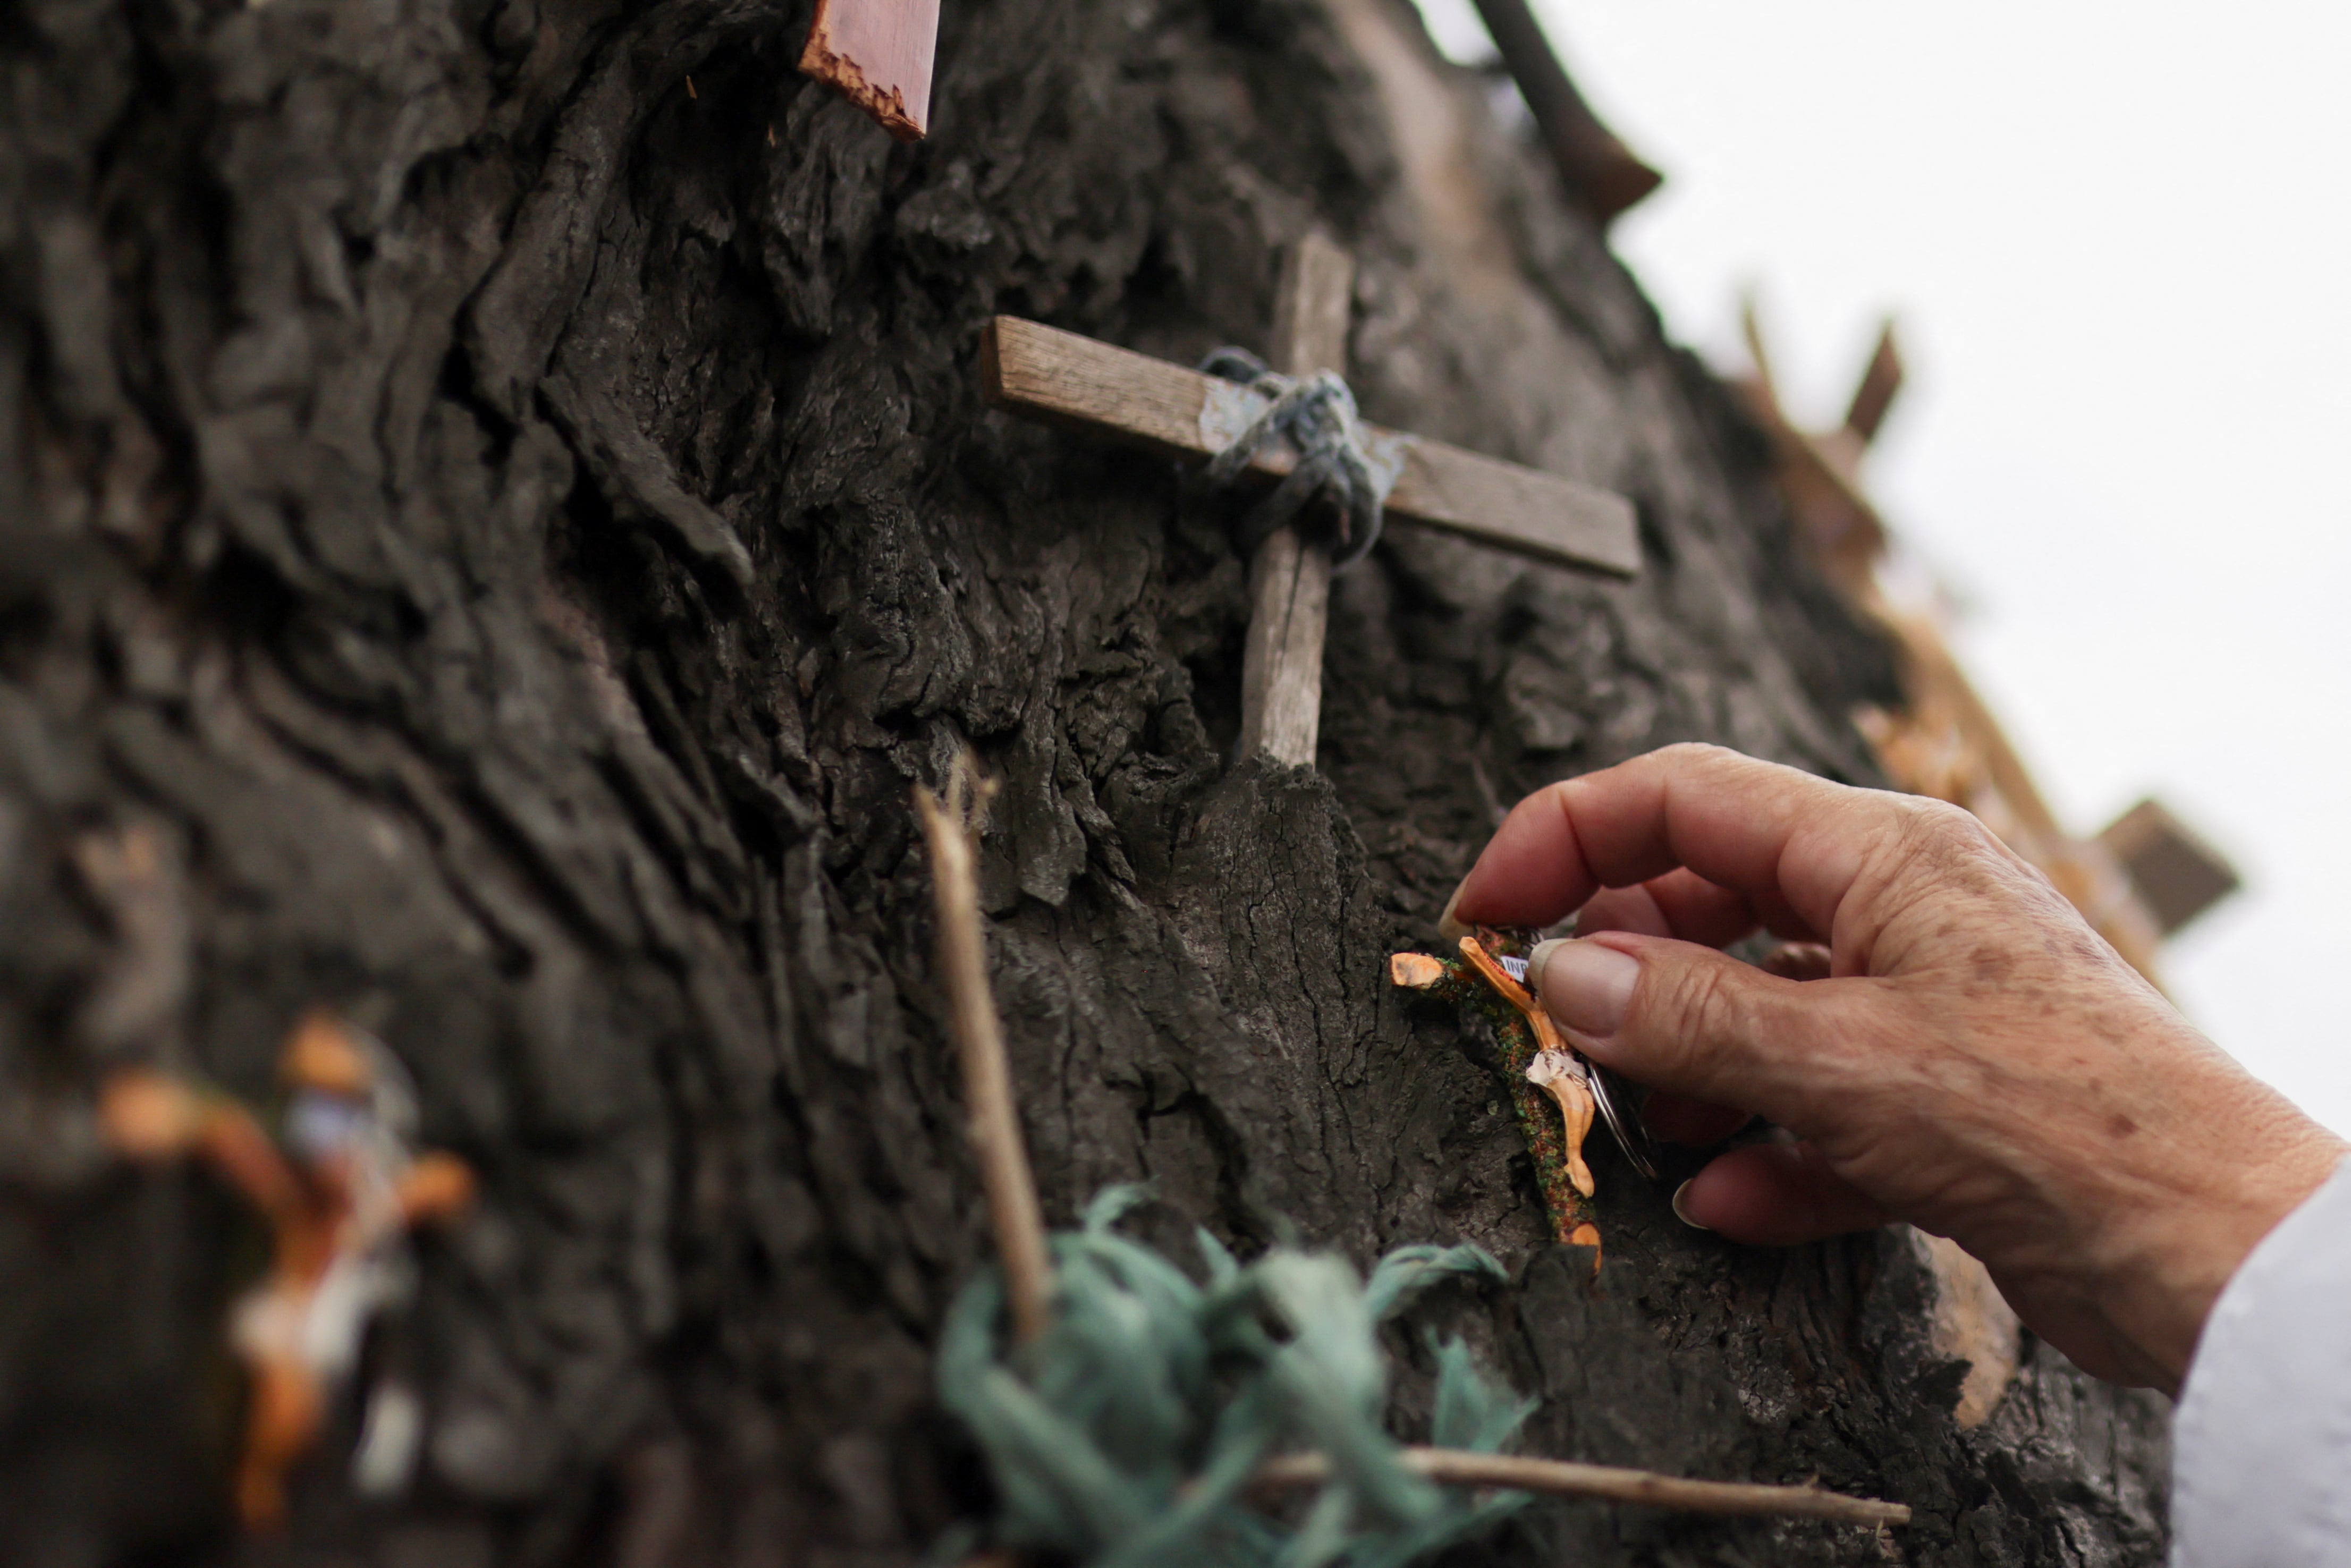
column 342, row 1187
column 1538, row 1059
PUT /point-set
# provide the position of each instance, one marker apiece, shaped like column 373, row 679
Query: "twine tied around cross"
column 1316, row 415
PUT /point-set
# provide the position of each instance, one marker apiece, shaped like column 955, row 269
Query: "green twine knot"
column 1128, row 1433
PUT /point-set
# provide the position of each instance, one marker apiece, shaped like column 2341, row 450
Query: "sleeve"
column 2261, row 1441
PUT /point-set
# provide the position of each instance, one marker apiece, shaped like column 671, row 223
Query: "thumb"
column 1692, row 1021
column 1774, row 1195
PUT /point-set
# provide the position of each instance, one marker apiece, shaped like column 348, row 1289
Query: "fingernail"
column 1451, row 929
column 1682, row 1214
column 1586, row 986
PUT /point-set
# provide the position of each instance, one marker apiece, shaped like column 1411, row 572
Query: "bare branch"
column 994, row 1125
column 1565, row 1478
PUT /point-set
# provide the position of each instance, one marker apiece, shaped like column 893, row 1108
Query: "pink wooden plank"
column 878, row 54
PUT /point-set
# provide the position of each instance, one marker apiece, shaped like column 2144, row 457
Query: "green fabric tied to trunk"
column 1128, row 1433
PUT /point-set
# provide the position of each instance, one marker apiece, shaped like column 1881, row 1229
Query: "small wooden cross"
column 1063, row 379
column 2137, row 882
column 1536, row 1061
column 877, row 54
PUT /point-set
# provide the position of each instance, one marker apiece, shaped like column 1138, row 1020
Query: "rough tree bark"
column 493, row 499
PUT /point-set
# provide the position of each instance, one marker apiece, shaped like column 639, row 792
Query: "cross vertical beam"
column 1289, row 579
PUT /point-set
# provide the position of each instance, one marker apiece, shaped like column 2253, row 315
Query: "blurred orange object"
column 342, row 1187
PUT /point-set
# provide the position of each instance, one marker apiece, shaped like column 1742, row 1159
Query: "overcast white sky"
column 2116, row 238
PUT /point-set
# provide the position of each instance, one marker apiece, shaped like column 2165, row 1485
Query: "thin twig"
column 1567, row 1479
column 994, row 1125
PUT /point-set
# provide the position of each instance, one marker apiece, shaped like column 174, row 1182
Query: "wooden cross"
column 2137, row 882
column 877, row 54
column 1063, row 379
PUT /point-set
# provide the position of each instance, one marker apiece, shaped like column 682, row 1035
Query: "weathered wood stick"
column 994, row 1128
column 1289, row 580
column 878, row 55
column 1875, row 391
column 1565, row 1478
column 2177, row 874
column 1599, row 170
column 1071, row 381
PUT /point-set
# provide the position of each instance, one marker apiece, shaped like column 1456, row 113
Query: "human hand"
column 1976, row 1061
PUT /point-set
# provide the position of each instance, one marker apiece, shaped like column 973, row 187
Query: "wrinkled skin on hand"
column 1976, row 1060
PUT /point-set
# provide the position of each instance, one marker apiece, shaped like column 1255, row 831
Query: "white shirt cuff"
column 2261, row 1457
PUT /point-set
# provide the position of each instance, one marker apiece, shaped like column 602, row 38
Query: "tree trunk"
column 495, row 515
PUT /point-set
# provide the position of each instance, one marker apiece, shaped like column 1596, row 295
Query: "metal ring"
column 1630, row 1135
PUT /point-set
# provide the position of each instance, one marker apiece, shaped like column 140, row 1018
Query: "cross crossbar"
column 1075, row 382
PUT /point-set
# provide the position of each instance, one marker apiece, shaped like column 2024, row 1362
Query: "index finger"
column 1771, row 833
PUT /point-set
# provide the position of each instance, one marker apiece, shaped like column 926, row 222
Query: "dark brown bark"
column 512, row 529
